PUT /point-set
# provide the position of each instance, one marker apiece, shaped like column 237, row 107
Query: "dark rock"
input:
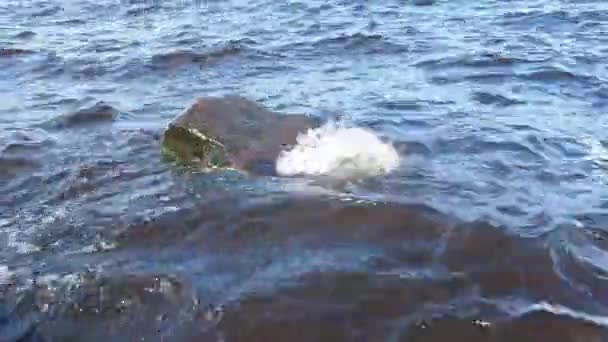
column 232, row 132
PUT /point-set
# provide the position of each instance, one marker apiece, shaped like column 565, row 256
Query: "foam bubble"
column 338, row 151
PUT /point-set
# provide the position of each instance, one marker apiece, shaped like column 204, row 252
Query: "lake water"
column 494, row 226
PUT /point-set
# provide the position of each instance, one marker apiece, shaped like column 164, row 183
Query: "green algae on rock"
column 232, row 132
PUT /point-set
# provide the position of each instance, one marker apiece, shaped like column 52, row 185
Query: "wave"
column 487, row 98
column 98, row 113
column 540, row 19
column 339, row 151
column 478, row 60
column 10, row 52
column 142, row 10
column 349, row 43
column 179, row 58
column 25, row 35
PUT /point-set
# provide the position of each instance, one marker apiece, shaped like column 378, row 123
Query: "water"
column 491, row 227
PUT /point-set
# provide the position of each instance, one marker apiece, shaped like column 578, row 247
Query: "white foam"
column 339, row 151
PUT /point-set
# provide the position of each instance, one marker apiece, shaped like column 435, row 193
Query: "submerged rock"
column 233, row 132
column 94, row 306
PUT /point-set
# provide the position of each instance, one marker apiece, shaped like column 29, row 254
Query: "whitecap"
column 338, row 150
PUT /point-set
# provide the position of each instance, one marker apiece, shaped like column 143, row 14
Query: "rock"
column 233, row 132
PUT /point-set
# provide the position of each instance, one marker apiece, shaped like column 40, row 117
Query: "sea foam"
column 338, row 150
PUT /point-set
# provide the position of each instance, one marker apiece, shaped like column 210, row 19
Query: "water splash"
column 338, row 150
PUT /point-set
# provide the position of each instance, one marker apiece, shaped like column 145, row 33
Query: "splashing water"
column 338, row 151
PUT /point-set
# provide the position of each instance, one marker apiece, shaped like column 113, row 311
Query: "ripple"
column 550, row 74
column 580, row 262
column 324, row 311
column 495, row 99
column 109, row 45
column 99, row 113
column 13, row 52
column 42, row 64
column 20, row 152
column 473, row 145
column 565, row 147
column 47, row 12
column 15, row 166
column 403, row 105
column 366, row 43
column 142, row 10
column 350, row 40
column 70, row 22
column 24, row 140
column 177, row 59
column 423, row 2
column 25, row 35
column 480, row 60
column 545, row 19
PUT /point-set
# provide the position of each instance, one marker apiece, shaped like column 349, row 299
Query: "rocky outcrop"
column 232, row 132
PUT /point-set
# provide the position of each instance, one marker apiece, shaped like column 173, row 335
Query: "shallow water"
column 493, row 227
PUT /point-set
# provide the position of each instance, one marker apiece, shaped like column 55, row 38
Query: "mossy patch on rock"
column 188, row 145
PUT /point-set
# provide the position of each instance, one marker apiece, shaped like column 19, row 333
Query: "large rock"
column 233, row 132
